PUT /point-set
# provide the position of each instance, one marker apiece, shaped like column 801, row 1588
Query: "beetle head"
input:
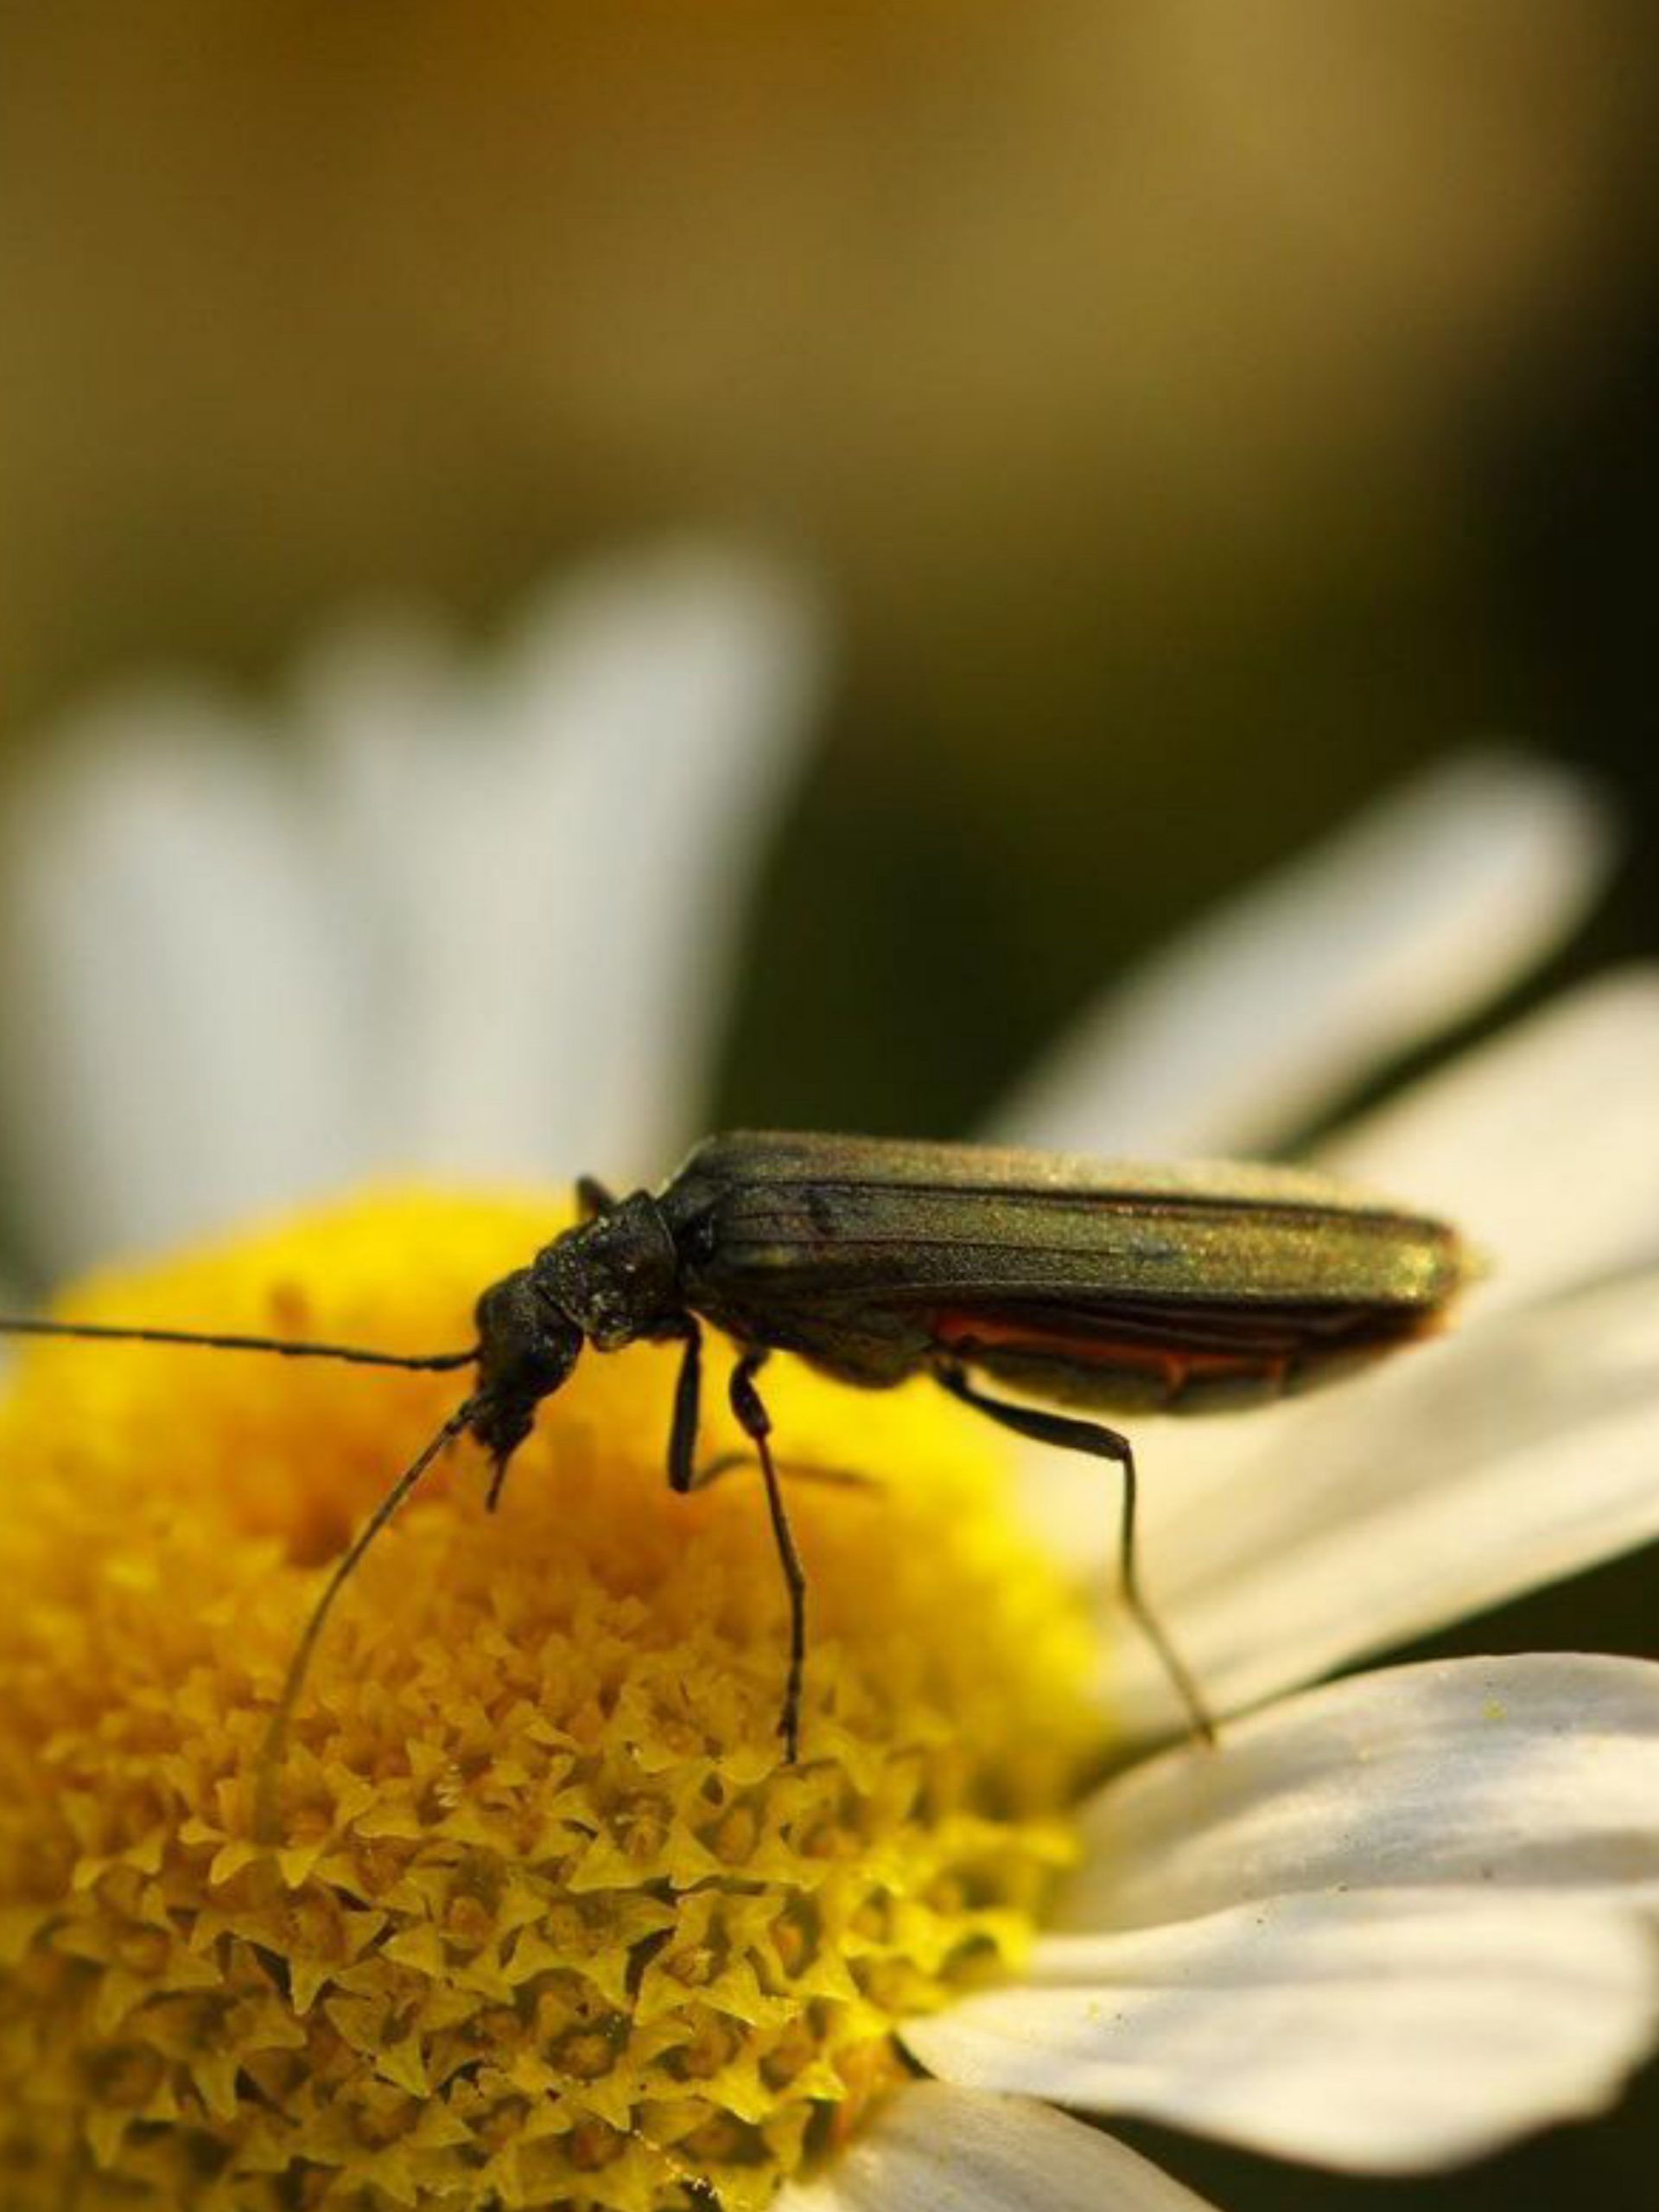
column 526, row 1348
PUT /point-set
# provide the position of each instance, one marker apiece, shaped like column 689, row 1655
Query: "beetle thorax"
column 618, row 1277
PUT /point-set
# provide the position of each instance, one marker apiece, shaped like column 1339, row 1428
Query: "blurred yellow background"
column 1148, row 383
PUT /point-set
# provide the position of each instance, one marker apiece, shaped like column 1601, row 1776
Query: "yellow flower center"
column 550, row 1921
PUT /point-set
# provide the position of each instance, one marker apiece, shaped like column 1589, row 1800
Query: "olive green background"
column 1197, row 417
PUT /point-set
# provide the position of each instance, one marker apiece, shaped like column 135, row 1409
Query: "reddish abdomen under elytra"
column 1198, row 1358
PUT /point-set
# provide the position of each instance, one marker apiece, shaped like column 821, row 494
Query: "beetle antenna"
column 284, row 1347
column 272, row 1750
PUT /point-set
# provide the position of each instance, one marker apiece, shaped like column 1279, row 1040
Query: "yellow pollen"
column 547, row 1921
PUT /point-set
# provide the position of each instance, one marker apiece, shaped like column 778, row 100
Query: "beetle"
column 1092, row 1285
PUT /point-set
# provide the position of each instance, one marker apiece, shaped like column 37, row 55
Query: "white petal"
column 940, row 2149
column 1283, row 1001
column 174, row 1014
column 1387, row 2032
column 1539, row 1771
column 1459, row 1475
column 390, row 713
column 482, row 921
column 579, row 841
column 1540, row 1145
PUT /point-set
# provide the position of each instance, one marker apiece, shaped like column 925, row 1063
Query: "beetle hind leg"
column 1071, row 1434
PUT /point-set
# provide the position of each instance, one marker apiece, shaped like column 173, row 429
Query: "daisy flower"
column 549, row 1921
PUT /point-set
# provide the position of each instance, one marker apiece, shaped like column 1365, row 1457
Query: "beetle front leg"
column 592, row 1198
column 756, row 1424
column 1071, row 1434
column 688, row 1402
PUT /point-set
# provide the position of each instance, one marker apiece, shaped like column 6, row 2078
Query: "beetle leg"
column 688, row 1400
column 592, row 1198
column 1100, row 1443
column 756, row 1424
column 802, row 1470
column 684, row 1475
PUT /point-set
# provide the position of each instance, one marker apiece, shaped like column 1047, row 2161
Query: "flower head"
column 551, row 1921
column 549, row 1917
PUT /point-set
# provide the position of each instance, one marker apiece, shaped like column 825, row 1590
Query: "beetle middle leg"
column 1071, row 1434
column 756, row 1424
column 683, row 1475
column 801, row 1471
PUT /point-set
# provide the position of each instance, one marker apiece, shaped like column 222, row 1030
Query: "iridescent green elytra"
column 1115, row 1285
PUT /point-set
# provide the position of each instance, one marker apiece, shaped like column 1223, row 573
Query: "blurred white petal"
column 1539, row 1771
column 939, row 2149
column 173, row 1014
column 482, row 920
column 1540, row 1145
column 1460, row 1475
column 586, row 832
column 1282, row 1002
column 1387, row 2032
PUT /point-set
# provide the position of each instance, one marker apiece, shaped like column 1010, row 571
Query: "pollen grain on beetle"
column 547, row 1918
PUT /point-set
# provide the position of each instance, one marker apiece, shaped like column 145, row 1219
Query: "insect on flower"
column 1112, row 1288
